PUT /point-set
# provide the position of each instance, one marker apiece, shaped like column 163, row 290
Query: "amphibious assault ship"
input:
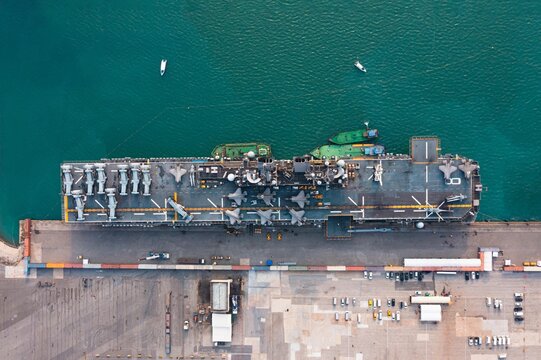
column 254, row 190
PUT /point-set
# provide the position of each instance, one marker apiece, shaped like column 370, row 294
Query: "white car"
column 398, row 315
column 370, row 275
column 365, row 274
column 186, row 325
column 386, row 275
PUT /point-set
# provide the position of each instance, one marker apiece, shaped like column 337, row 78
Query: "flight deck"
column 419, row 187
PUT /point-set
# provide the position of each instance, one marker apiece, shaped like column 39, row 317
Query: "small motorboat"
column 359, row 66
column 163, row 65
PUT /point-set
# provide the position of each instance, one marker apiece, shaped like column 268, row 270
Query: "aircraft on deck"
column 266, row 217
column 297, row 217
column 267, row 197
column 238, row 196
column 447, row 168
column 301, row 199
column 234, row 216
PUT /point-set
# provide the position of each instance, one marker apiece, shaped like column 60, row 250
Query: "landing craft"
column 238, row 196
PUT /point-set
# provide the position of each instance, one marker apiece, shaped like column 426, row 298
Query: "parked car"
column 386, row 275
column 467, row 276
column 393, row 302
column 398, row 316
column 477, row 274
column 518, row 308
column 519, row 318
column 470, row 341
column 370, row 302
column 518, row 313
column 388, row 302
column 401, row 276
column 234, row 304
column 186, row 325
column 397, row 277
column 370, row 275
column 389, row 313
column 365, row 274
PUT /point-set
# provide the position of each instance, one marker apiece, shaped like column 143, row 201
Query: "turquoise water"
column 80, row 80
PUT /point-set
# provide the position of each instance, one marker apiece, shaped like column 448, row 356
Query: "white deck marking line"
column 213, row 204
column 114, row 170
column 160, row 213
column 212, row 213
column 101, row 214
column 426, row 173
column 279, row 212
column 356, row 211
column 426, row 149
column 400, row 211
column 139, row 214
column 97, row 202
column 251, row 212
column 77, row 169
column 222, row 208
column 165, row 207
column 155, row 203
column 354, row 203
column 371, row 176
column 362, row 200
column 198, row 213
column 79, row 179
column 336, row 212
column 426, row 196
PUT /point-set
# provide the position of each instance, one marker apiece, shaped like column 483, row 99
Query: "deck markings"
column 335, row 212
column 196, row 213
column 155, row 203
column 426, row 150
column 101, row 214
column 354, row 203
column 79, row 179
column 279, row 212
column 362, row 202
column 160, row 213
column 426, row 173
column 400, row 211
column 356, row 211
column 139, row 214
column 426, row 196
column 97, row 202
column 213, row 204
column 222, row 208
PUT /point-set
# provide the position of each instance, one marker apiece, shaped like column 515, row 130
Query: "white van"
column 379, row 302
column 336, row 316
column 347, row 316
column 489, row 301
column 488, row 339
column 359, row 318
column 334, row 301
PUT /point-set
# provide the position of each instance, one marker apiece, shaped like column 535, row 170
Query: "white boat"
column 359, row 66
column 163, row 65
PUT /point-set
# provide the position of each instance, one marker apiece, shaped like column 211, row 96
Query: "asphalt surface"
column 54, row 241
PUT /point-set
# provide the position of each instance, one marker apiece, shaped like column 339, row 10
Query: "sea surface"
column 80, row 80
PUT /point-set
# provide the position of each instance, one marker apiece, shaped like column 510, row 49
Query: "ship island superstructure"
column 335, row 193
